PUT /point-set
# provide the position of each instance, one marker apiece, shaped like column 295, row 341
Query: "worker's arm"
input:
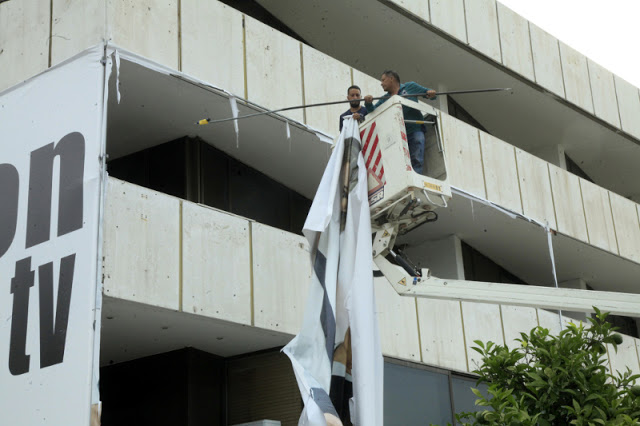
column 412, row 87
column 368, row 103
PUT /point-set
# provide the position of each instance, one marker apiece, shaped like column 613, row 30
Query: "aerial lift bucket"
column 396, row 192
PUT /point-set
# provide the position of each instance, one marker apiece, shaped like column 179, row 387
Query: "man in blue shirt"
column 355, row 109
column 390, row 82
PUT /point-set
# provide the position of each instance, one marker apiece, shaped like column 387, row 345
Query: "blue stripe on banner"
column 327, row 319
column 324, row 402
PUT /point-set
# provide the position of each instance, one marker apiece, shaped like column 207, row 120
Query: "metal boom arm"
column 426, row 285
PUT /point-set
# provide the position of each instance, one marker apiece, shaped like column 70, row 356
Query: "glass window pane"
column 414, row 396
column 463, row 399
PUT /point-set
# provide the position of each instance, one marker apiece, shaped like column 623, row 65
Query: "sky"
column 606, row 31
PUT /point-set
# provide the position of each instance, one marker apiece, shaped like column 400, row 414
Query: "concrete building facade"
column 201, row 269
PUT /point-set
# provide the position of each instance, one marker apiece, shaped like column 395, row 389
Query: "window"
column 572, row 167
column 456, row 110
column 478, row 267
column 464, row 400
column 415, row 396
column 193, row 170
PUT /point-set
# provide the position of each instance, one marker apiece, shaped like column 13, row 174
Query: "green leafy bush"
column 552, row 380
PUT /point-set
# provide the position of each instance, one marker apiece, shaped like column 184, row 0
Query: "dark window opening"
column 572, row 167
column 478, row 267
column 625, row 325
column 183, row 387
column 195, row 171
column 194, row 388
column 456, row 110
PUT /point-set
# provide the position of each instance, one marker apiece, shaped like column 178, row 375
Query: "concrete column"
column 443, row 257
column 553, row 154
column 580, row 285
column 442, row 101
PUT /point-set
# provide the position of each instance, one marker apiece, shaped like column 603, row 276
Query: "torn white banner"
column 234, row 112
column 553, row 267
column 339, row 341
column 323, row 137
column 117, row 55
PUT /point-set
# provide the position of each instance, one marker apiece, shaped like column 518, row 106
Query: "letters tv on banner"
column 50, row 142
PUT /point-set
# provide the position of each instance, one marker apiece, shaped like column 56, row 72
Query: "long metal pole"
column 451, row 92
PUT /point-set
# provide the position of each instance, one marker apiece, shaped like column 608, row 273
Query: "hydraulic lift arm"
column 401, row 200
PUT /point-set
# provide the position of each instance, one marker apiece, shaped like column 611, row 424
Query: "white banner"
column 50, row 149
column 336, row 356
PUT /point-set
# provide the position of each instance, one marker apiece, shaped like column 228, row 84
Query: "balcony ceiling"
column 158, row 107
column 132, row 330
column 371, row 36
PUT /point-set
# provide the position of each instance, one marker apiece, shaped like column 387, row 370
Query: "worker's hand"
column 368, row 99
column 357, row 116
column 431, row 94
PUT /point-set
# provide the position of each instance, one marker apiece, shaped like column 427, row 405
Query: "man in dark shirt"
column 390, row 83
column 355, row 109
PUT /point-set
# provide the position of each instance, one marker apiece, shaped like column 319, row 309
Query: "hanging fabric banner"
column 336, row 356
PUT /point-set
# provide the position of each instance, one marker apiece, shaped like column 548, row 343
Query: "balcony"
column 181, row 274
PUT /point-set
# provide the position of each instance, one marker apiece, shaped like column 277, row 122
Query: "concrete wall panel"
column 501, row 172
column 626, row 356
column 281, row 274
column 515, row 41
column 419, row 8
column 482, row 27
column 597, row 210
column 146, row 27
column 535, row 188
column 77, row 25
column 576, row 77
column 325, row 79
column 274, row 74
column 567, row 200
column 549, row 320
column 629, row 104
column 546, row 60
column 449, row 16
column 443, row 257
column 141, row 245
column 516, row 320
column 603, row 89
column 397, row 322
column 625, row 220
column 464, row 159
column 216, row 264
column 442, row 345
column 481, row 322
column 24, row 40
column 368, row 85
column 212, row 44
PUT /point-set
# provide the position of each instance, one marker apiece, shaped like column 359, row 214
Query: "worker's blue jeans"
column 416, row 150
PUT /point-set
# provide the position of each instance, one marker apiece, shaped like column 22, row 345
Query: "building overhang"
column 381, row 35
column 133, row 330
column 158, row 105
